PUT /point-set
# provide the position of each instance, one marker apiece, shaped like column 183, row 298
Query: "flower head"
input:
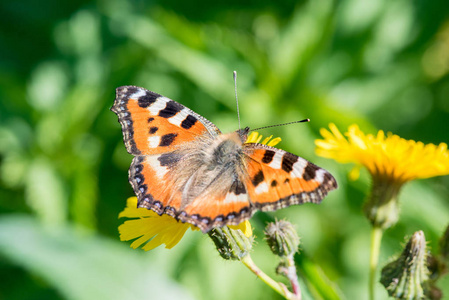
column 231, row 243
column 391, row 161
column 282, row 238
column 385, row 156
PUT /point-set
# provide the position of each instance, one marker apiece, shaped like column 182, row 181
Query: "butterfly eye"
column 243, row 134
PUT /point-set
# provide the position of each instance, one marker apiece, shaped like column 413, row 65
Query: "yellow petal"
column 274, row 142
column 354, row 174
column 245, row 227
column 255, row 137
column 265, row 141
column 252, row 137
column 147, row 225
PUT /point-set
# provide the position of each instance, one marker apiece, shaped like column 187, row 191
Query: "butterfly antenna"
column 301, row 121
column 236, row 99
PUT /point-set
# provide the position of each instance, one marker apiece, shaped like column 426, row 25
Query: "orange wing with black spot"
column 154, row 124
column 279, row 179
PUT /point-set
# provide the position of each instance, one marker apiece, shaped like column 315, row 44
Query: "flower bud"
column 232, row 244
column 282, row 238
column 407, row 276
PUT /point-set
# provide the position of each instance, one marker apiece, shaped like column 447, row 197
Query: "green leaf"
column 83, row 267
column 45, row 192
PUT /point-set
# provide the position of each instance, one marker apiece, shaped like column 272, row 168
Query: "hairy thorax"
column 209, row 166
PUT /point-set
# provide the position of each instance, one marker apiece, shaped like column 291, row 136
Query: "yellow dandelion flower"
column 151, row 230
column 385, row 156
column 390, row 159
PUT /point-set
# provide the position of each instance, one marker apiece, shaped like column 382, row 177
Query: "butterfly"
column 183, row 165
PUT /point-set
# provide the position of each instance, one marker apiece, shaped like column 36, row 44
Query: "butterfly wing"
column 279, row 179
column 159, row 132
column 154, row 124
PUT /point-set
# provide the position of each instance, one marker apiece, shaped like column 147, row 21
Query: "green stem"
column 376, row 238
column 281, row 289
column 293, row 276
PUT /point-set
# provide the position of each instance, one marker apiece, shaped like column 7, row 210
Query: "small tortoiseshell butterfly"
column 186, row 168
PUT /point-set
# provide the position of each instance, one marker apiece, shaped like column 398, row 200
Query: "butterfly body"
column 185, row 167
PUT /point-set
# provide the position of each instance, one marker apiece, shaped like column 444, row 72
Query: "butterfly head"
column 243, row 134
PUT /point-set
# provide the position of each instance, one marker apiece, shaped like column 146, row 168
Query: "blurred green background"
column 63, row 166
